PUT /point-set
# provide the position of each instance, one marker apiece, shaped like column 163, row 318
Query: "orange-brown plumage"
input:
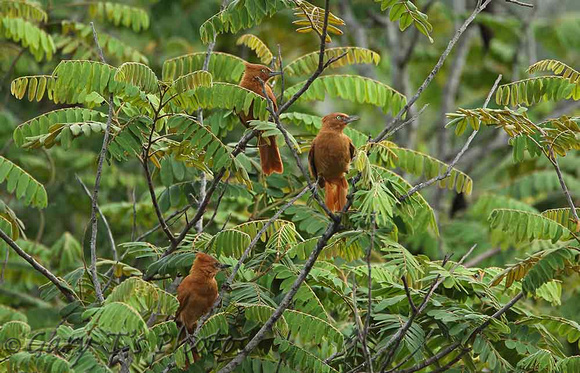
column 252, row 79
column 198, row 291
column 330, row 157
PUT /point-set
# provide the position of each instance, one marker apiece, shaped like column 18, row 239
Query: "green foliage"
column 564, row 217
column 117, row 317
column 41, row 125
column 541, row 361
column 546, row 269
column 30, row 36
column 120, row 15
column 239, row 14
column 528, row 226
column 302, row 359
column 222, row 66
column 353, row 88
column 308, row 63
column 419, row 164
column 534, row 90
column 23, row 9
column 39, row 362
column 557, row 67
column 407, row 13
column 138, row 75
column 77, row 39
column 258, row 46
column 143, row 297
column 22, row 184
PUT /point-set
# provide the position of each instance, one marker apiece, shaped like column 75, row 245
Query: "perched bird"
column 253, row 79
column 330, row 157
column 198, row 291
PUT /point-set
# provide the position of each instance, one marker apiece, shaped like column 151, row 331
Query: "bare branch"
column 447, row 172
column 520, row 3
column 480, row 258
column 94, row 198
column 103, row 218
column 554, row 161
column 203, row 178
column 151, row 188
column 60, row 285
column 359, row 326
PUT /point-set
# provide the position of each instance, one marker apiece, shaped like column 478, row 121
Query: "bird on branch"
column 329, row 158
column 255, row 78
column 197, row 292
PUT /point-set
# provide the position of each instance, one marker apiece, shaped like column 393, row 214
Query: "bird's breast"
column 332, row 155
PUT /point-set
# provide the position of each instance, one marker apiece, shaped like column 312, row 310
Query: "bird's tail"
column 336, row 191
column 270, row 155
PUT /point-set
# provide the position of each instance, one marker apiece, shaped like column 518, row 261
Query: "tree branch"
column 94, row 198
column 360, row 326
column 520, row 3
column 60, row 285
column 103, row 218
column 151, row 188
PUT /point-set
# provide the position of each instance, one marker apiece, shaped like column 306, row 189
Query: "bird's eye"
column 338, row 117
column 263, row 70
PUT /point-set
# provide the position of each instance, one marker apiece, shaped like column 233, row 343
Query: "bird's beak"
column 224, row 266
column 274, row 73
column 352, row 118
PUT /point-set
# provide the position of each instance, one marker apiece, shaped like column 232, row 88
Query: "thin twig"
column 155, row 228
column 520, row 3
column 447, row 172
column 151, row 188
column 103, row 218
column 217, row 205
column 134, row 225
column 94, row 198
column 480, row 258
column 359, row 326
column 554, row 161
column 203, row 178
column 60, row 285
column 6, row 257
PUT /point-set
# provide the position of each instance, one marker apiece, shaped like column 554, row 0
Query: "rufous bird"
column 255, row 78
column 198, row 291
column 330, row 157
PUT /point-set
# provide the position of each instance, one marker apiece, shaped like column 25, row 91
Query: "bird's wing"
column 351, row 148
column 311, row 162
column 184, row 297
